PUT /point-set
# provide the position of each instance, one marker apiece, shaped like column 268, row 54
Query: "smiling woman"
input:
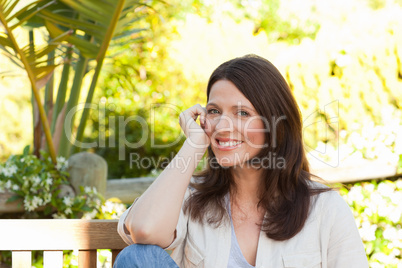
column 236, row 131
column 239, row 211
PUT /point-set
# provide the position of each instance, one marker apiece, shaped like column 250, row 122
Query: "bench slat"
column 53, row 259
column 59, row 234
column 21, row 259
column 87, row 258
column 115, row 252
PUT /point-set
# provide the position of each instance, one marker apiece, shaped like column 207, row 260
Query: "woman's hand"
column 194, row 132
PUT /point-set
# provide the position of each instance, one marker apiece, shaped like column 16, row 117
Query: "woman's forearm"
column 153, row 218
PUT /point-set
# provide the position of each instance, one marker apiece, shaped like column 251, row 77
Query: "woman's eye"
column 213, row 111
column 243, row 113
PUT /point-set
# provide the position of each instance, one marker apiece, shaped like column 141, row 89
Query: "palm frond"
column 26, row 58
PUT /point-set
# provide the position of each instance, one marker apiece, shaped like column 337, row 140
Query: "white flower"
column 68, row 211
column 386, row 189
column 61, row 159
column 367, row 231
column 36, row 181
column 90, row 215
column 368, row 211
column 13, row 169
column 61, row 163
column 37, row 201
column 385, row 211
column 396, row 215
column 396, row 198
column 30, row 206
column 355, row 194
column 108, row 207
column 369, row 187
column 87, row 189
column 15, row 187
column 49, row 181
column 383, row 258
column 67, row 201
column 58, row 216
column 390, row 233
column 376, row 265
column 113, row 208
column 10, row 171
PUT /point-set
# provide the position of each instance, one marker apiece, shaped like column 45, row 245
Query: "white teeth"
column 229, row 143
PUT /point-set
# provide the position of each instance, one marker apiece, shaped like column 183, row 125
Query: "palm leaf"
column 94, row 18
column 27, row 60
column 74, row 24
column 5, row 42
column 87, row 49
column 84, row 8
column 28, row 12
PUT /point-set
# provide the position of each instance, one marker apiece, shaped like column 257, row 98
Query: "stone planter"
column 88, row 169
column 12, row 207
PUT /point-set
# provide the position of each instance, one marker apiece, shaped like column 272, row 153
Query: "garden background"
column 342, row 60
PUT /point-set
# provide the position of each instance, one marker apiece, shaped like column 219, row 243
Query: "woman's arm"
column 153, row 218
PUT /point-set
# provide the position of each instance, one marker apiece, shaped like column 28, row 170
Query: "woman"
column 255, row 204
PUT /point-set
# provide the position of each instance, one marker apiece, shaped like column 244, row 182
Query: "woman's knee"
column 139, row 255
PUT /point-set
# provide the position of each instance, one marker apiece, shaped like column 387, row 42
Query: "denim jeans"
column 144, row 256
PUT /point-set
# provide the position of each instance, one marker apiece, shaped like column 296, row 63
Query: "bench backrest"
column 54, row 236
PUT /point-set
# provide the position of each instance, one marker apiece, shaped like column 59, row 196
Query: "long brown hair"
column 287, row 191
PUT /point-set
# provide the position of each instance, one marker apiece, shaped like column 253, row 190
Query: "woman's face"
column 236, row 130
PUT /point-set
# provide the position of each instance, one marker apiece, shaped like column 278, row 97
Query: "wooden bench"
column 54, row 236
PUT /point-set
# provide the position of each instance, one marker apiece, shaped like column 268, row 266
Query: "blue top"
column 236, row 258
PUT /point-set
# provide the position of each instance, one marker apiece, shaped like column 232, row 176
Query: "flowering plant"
column 38, row 184
column 378, row 213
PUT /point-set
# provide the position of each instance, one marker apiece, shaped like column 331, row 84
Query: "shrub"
column 376, row 208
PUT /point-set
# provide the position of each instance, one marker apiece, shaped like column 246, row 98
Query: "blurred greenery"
column 345, row 79
column 378, row 215
column 68, row 29
column 344, row 68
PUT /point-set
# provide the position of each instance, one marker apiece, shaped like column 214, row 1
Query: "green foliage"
column 83, row 28
column 266, row 16
column 378, row 214
column 144, row 82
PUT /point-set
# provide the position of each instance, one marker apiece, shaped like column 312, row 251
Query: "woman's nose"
column 224, row 123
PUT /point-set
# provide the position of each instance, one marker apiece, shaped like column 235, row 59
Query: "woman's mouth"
column 226, row 145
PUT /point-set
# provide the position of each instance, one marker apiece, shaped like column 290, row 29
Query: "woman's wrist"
column 198, row 142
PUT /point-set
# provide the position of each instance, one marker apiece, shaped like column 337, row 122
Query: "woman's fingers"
column 192, row 113
column 197, row 110
column 191, row 128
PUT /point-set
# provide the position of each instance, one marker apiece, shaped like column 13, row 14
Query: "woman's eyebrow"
column 233, row 107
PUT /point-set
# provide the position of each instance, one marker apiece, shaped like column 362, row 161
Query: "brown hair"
column 286, row 193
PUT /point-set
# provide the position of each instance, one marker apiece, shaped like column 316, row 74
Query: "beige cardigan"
column 329, row 239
